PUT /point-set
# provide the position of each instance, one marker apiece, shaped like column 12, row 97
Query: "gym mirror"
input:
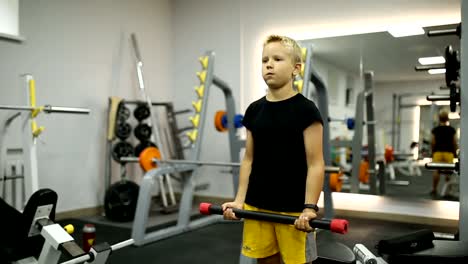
column 403, row 115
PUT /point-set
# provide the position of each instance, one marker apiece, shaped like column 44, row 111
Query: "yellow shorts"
column 440, row 156
column 263, row 239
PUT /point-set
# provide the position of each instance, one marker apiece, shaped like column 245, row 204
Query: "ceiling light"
column 454, row 115
column 431, row 60
column 436, row 71
column 398, row 32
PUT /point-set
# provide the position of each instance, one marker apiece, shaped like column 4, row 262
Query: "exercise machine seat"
column 444, row 251
column 14, row 242
column 334, row 252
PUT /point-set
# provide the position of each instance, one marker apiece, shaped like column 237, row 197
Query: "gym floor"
column 220, row 243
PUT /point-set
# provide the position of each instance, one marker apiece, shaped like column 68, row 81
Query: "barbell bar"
column 444, row 32
column 47, row 109
column 150, row 157
column 92, row 256
column 335, row 225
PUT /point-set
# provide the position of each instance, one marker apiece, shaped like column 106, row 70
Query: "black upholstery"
column 14, row 241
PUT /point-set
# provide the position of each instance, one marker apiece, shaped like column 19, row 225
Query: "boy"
column 444, row 147
column 283, row 168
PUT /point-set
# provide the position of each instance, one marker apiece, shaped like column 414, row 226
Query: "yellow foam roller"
column 36, row 132
column 32, row 92
column 204, row 61
column 200, row 90
column 36, row 111
column 197, row 105
column 299, row 84
column 192, row 135
column 69, row 228
column 195, row 120
column 202, row 76
column 303, row 53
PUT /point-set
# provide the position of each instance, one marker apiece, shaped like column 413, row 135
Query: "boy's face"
column 278, row 68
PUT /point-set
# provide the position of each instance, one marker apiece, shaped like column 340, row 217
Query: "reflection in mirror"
column 404, row 118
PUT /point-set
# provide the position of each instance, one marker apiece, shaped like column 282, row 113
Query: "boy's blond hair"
column 289, row 43
column 443, row 116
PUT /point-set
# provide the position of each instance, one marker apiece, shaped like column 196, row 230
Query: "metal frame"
column 463, row 216
column 312, row 77
column 184, row 222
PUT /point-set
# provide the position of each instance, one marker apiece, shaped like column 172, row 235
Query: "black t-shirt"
column 279, row 169
column 444, row 139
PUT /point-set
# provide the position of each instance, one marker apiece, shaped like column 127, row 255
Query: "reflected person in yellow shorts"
column 283, row 167
column 444, row 146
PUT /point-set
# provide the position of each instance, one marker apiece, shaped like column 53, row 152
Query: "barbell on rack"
column 150, row 158
column 451, row 66
column 453, row 97
column 47, row 109
column 350, row 122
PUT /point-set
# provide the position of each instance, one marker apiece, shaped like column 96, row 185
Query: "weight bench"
column 17, row 240
column 421, row 247
column 444, row 251
column 33, row 234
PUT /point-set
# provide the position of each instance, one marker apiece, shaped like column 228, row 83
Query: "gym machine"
column 37, row 220
column 30, row 134
column 207, row 79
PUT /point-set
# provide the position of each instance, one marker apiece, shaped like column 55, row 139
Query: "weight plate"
column 142, row 132
column 123, row 130
column 120, row 201
column 141, row 112
column 122, row 149
column 123, row 113
column 142, row 146
column 146, row 158
column 218, row 121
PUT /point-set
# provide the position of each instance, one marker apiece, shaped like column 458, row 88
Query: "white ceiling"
column 391, row 59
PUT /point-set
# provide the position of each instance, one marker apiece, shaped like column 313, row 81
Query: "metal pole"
column 328, row 169
column 393, row 119
column 398, row 131
column 463, row 219
column 370, row 121
column 114, row 247
column 235, row 145
column 48, row 109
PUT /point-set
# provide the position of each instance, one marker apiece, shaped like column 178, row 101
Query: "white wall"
column 200, row 26
column 79, row 54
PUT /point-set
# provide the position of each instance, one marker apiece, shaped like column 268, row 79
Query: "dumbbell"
column 335, row 225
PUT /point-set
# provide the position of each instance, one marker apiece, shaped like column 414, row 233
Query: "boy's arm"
column 313, row 136
column 245, row 169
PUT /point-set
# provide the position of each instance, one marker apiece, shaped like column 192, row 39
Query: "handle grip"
column 335, row 225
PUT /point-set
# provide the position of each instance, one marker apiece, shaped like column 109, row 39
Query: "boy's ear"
column 297, row 69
